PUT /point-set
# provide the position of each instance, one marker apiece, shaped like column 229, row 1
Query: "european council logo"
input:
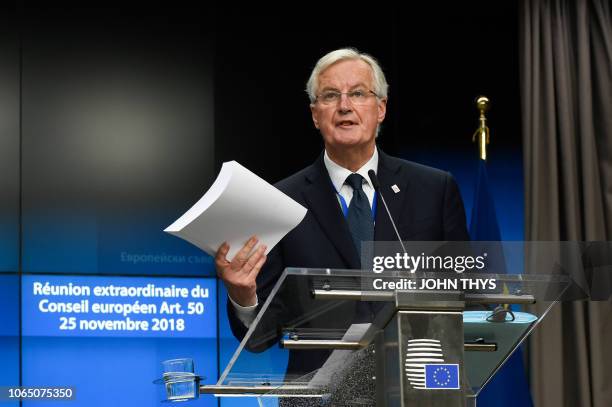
column 420, row 352
column 440, row 376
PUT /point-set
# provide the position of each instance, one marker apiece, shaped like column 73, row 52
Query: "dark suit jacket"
column 428, row 207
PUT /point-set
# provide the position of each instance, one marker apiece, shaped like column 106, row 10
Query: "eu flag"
column 442, row 376
column 483, row 224
column 509, row 387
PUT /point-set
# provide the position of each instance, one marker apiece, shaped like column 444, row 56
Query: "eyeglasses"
column 357, row 96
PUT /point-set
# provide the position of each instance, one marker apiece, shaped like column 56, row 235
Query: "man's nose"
column 344, row 105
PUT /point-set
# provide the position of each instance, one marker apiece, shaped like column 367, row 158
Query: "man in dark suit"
column 348, row 94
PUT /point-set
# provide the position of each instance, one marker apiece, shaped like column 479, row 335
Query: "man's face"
column 345, row 123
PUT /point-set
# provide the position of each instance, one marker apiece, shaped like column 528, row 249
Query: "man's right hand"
column 239, row 275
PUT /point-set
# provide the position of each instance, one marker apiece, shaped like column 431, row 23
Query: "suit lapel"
column 389, row 174
column 322, row 201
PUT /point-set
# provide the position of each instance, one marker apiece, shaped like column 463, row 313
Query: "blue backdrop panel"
column 95, row 306
column 9, row 332
column 89, row 242
column 505, row 169
column 111, row 371
column 9, row 243
column 110, row 366
column 9, row 304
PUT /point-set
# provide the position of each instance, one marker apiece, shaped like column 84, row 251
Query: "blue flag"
column 509, row 387
column 483, row 224
column 441, row 376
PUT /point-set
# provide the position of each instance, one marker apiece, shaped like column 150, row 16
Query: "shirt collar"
column 338, row 174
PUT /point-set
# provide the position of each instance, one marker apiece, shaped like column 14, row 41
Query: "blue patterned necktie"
column 361, row 225
column 359, row 215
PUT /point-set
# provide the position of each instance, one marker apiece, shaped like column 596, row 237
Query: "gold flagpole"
column 482, row 134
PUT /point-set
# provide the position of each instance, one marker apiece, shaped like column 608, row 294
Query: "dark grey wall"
column 128, row 111
column 9, row 139
column 118, row 133
column 438, row 56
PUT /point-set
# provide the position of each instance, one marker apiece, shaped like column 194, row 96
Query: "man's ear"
column 313, row 112
column 382, row 110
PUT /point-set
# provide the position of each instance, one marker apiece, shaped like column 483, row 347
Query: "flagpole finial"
column 482, row 103
column 482, row 134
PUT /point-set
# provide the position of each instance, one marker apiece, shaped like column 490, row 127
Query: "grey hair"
column 381, row 86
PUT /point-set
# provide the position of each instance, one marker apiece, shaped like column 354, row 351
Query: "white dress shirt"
column 338, row 175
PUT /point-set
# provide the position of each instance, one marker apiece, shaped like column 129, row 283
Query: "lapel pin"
column 395, row 188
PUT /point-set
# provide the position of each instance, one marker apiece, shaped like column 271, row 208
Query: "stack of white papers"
column 239, row 204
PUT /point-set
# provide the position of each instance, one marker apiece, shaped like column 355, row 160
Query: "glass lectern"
column 386, row 339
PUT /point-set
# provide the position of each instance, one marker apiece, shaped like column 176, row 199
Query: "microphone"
column 376, row 185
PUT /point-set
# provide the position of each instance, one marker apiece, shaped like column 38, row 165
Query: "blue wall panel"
column 9, row 332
